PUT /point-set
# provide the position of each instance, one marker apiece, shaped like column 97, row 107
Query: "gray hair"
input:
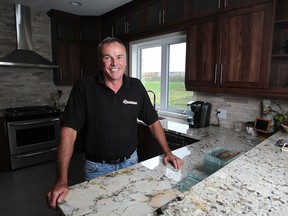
column 107, row 40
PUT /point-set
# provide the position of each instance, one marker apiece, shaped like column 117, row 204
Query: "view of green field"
column 178, row 95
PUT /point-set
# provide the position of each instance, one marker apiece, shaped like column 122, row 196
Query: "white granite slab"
column 144, row 187
column 254, row 184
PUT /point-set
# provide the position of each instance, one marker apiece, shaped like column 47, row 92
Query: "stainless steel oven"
column 33, row 134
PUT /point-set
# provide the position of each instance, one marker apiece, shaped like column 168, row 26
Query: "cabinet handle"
column 221, row 73
column 61, row 74
column 127, row 27
column 160, row 16
column 163, row 16
column 219, row 4
column 225, row 3
column 5, row 129
column 215, row 74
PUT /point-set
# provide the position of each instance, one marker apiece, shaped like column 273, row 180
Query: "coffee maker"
column 198, row 114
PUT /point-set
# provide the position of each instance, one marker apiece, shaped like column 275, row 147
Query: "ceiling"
column 89, row 7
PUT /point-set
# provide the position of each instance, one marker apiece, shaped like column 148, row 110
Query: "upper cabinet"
column 65, row 47
column 201, row 8
column 279, row 59
column 164, row 12
column 90, row 36
column 230, row 49
column 128, row 21
column 74, row 46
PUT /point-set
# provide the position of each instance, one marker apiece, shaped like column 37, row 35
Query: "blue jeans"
column 93, row 169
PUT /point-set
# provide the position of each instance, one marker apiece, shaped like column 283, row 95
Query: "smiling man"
column 103, row 111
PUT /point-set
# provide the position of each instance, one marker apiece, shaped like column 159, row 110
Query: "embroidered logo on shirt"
column 129, row 102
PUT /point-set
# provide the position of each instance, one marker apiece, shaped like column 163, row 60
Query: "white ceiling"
column 89, row 7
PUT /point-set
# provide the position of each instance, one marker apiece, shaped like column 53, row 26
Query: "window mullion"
column 164, row 76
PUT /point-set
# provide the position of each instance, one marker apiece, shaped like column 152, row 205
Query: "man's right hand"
column 57, row 194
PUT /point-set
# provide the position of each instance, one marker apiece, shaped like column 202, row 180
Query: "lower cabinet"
column 148, row 147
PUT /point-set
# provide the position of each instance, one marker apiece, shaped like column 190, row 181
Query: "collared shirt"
column 107, row 122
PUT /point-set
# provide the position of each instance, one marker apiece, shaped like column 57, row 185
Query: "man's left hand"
column 176, row 162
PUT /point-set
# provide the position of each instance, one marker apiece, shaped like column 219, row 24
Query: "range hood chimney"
column 24, row 56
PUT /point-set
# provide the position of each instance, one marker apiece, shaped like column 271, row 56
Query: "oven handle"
column 36, row 153
column 33, row 122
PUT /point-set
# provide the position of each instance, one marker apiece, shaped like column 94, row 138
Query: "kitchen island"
column 252, row 181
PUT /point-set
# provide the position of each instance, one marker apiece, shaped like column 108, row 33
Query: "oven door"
column 33, row 135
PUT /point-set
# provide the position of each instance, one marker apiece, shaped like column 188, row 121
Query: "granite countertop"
column 255, row 176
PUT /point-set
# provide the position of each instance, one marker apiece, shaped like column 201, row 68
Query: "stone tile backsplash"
column 32, row 86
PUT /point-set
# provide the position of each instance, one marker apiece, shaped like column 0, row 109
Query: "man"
column 105, row 109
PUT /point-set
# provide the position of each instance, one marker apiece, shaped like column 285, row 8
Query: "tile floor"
column 22, row 192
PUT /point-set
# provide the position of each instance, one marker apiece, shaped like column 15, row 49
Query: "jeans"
column 93, row 169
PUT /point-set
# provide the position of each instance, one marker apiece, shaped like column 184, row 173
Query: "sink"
column 161, row 117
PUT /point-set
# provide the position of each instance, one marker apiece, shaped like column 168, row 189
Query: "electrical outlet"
column 222, row 113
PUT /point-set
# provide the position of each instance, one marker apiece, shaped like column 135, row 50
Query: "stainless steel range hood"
column 24, row 56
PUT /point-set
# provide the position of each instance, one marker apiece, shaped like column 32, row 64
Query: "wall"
column 238, row 107
column 27, row 86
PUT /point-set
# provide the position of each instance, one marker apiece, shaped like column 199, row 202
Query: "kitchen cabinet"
column 108, row 27
column 68, row 61
column 278, row 81
column 229, row 49
column 148, row 147
column 5, row 163
column 90, row 32
column 65, row 47
column 164, row 12
column 74, row 46
column 200, row 8
column 128, row 21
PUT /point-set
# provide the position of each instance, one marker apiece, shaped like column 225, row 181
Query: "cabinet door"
column 134, row 21
column 246, row 46
column 174, row 11
column 205, row 7
column 279, row 58
column 121, row 25
column 69, row 64
column 90, row 29
column 108, row 28
column 203, row 43
column 89, row 59
column 68, row 28
column 232, row 4
column 153, row 14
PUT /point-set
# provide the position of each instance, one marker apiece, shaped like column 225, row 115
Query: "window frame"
column 135, row 67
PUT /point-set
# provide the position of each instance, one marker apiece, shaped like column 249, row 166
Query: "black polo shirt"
column 107, row 122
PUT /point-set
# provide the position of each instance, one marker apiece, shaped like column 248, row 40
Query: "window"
column 159, row 63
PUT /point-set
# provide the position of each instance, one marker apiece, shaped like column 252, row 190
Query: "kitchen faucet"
column 154, row 98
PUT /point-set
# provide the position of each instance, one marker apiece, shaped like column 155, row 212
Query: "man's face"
column 113, row 61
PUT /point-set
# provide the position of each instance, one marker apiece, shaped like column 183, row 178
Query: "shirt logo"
column 129, row 102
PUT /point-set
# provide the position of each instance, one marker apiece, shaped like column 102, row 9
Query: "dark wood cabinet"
column 200, row 8
column 164, row 12
column 278, row 79
column 203, row 52
column 65, row 47
column 129, row 21
column 230, row 49
column 246, row 46
column 68, row 61
column 74, row 46
column 90, row 36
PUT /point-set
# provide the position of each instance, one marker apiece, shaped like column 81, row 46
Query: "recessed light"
column 74, row 3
